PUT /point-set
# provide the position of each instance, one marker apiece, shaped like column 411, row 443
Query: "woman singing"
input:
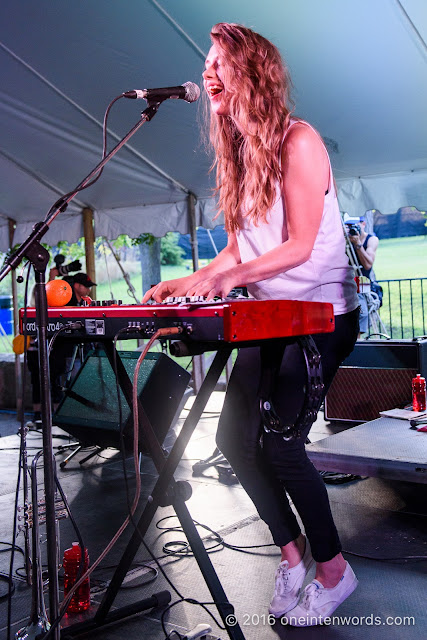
column 285, row 241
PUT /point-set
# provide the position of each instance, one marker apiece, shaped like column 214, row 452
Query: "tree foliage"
column 170, row 252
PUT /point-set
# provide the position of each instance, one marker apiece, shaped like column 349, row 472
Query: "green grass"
column 120, row 288
column 397, row 258
column 401, row 318
column 401, row 258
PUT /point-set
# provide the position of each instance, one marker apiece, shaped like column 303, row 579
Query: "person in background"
column 285, row 241
column 365, row 247
column 62, row 357
column 60, row 269
column 81, row 285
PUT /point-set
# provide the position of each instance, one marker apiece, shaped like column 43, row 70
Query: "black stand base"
column 76, row 448
column 157, row 600
column 226, row 474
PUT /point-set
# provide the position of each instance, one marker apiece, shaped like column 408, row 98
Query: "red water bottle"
column 419, row 393
column 71, row 563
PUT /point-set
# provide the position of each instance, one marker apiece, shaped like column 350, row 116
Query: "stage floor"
column 381, row 522
column 383, row 448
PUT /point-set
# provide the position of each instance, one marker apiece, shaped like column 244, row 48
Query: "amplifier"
column 90, row 409
column 375, row 377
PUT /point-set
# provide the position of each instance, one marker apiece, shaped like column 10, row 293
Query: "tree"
column 171, row 252
column 149, row 248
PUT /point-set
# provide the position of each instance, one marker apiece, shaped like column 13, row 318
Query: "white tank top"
column 325, row 277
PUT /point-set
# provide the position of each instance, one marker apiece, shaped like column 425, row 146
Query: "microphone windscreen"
column 192, row 91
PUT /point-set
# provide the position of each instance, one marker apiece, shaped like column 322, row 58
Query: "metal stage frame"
column 382, row 448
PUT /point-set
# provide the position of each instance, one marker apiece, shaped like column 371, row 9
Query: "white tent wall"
column 358, row 68
column 156, row 219
column 361, row 194
column 110, row 223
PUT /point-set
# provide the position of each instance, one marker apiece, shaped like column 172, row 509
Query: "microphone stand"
column 34, row 252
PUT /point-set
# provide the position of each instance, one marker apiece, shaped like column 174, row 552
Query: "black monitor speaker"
column 375, row 377
column 90, row 412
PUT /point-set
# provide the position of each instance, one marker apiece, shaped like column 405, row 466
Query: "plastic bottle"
column 71, row 563
column 419, row 393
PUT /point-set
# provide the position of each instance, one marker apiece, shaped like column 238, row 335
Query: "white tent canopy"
column 358, row 67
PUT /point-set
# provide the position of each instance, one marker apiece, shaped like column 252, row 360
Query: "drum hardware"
column 313, row 396
column 23, row 431
column 34, row 514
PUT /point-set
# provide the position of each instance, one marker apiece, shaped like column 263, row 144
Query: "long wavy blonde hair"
column 247, row 158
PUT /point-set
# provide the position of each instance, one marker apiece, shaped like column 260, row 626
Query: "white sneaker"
column 318, row 603
column 289, row 583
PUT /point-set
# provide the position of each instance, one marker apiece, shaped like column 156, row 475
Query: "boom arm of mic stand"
column 31, row 247
column 33, row 250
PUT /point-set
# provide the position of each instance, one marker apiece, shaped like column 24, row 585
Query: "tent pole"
column 198, row 361
column 191, row 202
column 19, row 391
column 89, row 235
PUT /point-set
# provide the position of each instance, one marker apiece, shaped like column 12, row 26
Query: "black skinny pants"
column 269, row 468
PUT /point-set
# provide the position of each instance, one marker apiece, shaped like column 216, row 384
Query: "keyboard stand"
column 166, row 491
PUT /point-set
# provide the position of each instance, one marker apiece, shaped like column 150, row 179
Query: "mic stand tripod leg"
column 38, row 623
column 48, row 461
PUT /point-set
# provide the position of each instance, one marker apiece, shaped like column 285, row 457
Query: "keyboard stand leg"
column 166, row 486
column 225, row 608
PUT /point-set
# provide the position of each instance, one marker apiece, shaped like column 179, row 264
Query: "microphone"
column 187, row 91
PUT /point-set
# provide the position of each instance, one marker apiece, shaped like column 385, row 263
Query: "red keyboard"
column 231, row 321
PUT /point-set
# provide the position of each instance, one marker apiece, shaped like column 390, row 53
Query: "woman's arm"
column 228, row 258
column 305, row 179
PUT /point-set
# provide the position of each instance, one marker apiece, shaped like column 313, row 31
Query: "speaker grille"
column 358, row 394
column 90, row 408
